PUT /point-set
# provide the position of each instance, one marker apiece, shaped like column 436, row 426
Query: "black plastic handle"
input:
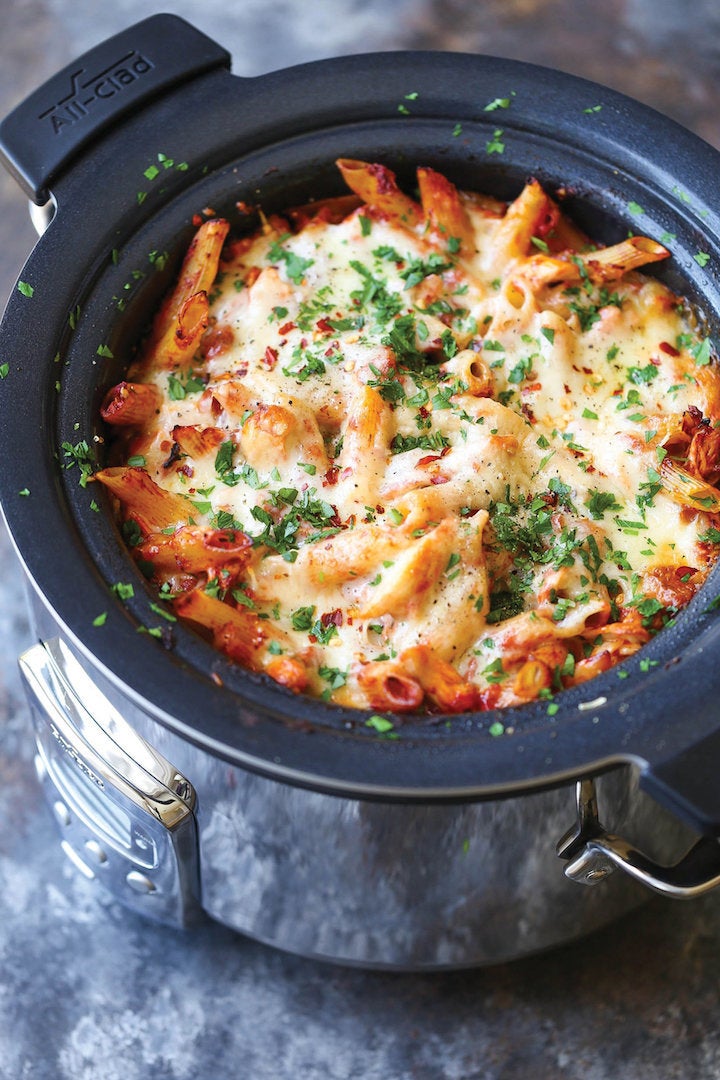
column 47, row 130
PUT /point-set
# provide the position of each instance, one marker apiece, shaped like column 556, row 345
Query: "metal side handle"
column 591, row 854
column 125, row 813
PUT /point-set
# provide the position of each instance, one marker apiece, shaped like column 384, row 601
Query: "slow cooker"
column 186, row 785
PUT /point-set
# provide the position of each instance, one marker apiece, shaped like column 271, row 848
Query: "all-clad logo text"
column 72, row 753
column 88, row 92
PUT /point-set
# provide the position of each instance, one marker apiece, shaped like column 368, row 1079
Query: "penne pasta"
column 386, row 685
column 197, row 274
column 440, row 681
column 181, row 340
column 428, row 456
column 242, row 636
column 193, row 550
column 131, row 404
column 197, row 442
column 152, row 506
column 377, row 186
column 444, row 208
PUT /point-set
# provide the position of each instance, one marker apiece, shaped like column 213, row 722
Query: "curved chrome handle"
column 125, row 813
column 592, row 854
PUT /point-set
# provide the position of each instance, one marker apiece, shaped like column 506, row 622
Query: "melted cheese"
column 429, row 452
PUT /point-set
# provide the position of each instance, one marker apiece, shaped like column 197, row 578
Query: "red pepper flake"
column 669, row 349
column 331, row 476
column 332, row 618
column 429, row 458
column 324, row 326
column 271, row 356
column 197, row 220
column 286, row 328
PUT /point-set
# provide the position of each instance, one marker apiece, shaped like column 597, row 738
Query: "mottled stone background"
column 89, row 991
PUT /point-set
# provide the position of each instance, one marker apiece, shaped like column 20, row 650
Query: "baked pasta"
column 420, row 455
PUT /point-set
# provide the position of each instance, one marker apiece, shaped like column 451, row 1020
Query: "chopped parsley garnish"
column 431, row 441
column 224, row 464
column 179, row 389
column 79, row 455
column 600, row 501
column 401, row 338
column 521, row 371
column 374, row 294
column 498, row 103
column 588, row 314
column 302, row 618
column 702, row 352
column 295, row 265
column 123, row 591
column 418, row 269
column 334, row 676
column 304, row 363
column 380, row 724
column 644, row 375
column 495, row 672
column 389, row 387
column 495, row 145
column 284, row 534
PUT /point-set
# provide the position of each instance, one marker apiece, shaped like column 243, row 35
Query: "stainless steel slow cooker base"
column 187, row 785
column 172, row 831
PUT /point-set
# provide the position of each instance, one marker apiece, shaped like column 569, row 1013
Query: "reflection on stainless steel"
column 367, row 882
column 125, row 814
column 593, row 853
